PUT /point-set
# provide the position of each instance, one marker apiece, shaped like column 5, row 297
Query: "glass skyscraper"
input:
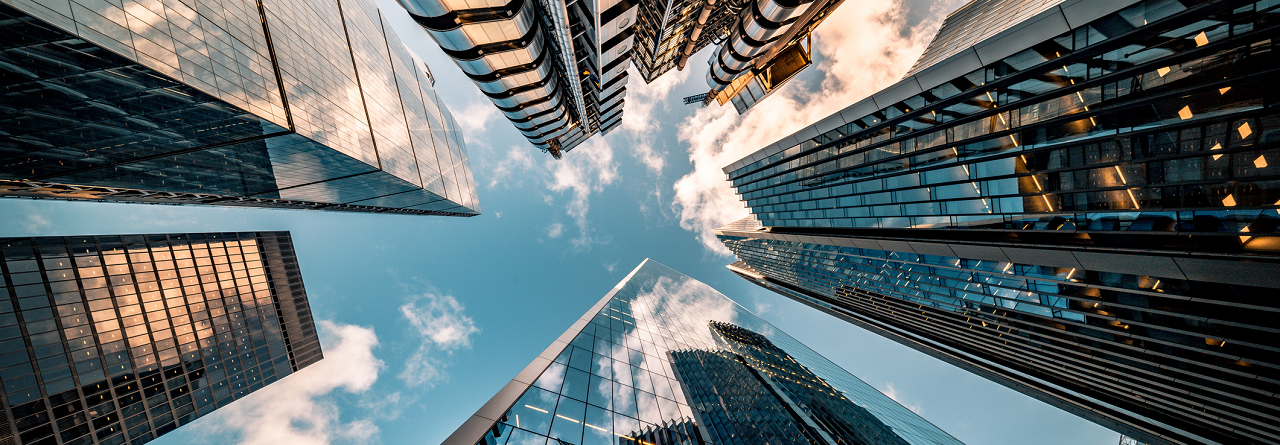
column 122, row 338
column 1078, row 200
column 273, row 103
column 665, row 359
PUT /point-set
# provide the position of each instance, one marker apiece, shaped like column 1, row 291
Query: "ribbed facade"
column 555, row 69
column 1081, row 206
column 122, row 338
column 274, row 103
column 665, row 359
column 759, row 44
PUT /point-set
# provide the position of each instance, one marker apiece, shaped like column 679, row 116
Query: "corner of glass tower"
column 664, row 358
column 312, row 105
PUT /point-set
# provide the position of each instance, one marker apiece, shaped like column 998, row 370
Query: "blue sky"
column 424, row 318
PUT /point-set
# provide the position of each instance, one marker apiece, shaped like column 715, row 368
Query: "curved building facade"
column 545, row 64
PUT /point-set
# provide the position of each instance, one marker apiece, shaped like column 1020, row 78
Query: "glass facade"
column 974, row 22
column 278, row 103
column 120, row 339
column 665, row 359
column 1091, row 220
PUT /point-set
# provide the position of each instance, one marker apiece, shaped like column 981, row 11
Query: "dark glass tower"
column 120, row 339
column 273, row 103
column 1081, row 205
column 665, row 359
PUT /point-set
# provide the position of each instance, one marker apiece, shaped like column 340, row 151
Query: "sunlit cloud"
column 476, row 117
column 893, row 393
column 864, row 47
column 586, row 170
column 441, row 327
column 638, row 122
column 506, row 170
column 555, row 230
column 300, row 409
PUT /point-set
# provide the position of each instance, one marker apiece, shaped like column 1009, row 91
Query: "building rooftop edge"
column 1070, row 14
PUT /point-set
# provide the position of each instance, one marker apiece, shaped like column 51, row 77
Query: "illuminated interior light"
column 1245, row 131
column 536, row 409
column 1122, row 179
column 1080, row 96
column 593, row 426
column 1162, row 71
column 1201, row 39
column 518, row 421
column 1261, row 162
column 1073, row 272
column 1217, row 146
column 1132, row 198
column 1224, row 90
column 1224, row 343
column 1095, row 123
column 1229, row 201
column 1046, row 202
column 1185, row 113
column 1014, row 139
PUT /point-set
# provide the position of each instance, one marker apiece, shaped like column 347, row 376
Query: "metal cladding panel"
column 959, row 64
column 975, row 22
column 897, row 92
column 1043, row 26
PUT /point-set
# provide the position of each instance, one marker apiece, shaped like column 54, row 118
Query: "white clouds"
column 759, row 308
column 298, row 410
column 555, row 230
column 638, row 124
column 587, row 169
column 476, row 117
column 517, row 159
column 440, row 325
column 865, row 47
column 893, row 393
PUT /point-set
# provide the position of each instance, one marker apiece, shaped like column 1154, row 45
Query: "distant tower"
column 665, row 359
column 122, row 338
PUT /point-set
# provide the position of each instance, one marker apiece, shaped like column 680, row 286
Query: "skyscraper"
column 122, row 338
column 1075, row 200
column 759, row 44
column 272, row 103
column 558, row 69
column 665, row 359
